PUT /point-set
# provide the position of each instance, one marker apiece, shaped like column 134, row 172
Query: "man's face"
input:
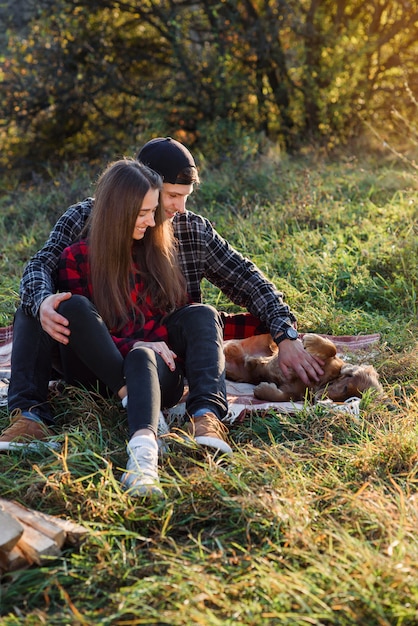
column 173, row 198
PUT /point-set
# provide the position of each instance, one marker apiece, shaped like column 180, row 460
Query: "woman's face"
column 146, row 214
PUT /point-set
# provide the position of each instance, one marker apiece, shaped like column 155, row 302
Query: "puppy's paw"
column 319, row 346
column 270, row 392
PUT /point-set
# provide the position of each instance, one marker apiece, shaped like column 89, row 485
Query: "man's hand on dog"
column 293, row 356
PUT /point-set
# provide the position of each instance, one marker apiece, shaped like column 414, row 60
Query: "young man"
column 203, row 253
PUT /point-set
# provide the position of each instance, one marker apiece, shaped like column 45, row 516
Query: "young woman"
column 131, row 324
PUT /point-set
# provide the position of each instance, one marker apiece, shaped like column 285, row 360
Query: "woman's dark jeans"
column 195, row 335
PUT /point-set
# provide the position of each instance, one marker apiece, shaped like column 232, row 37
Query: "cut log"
column 73, row 531
column 45, row 524
column 61, row 530
column 28, row 537
column 13, row 560
column 36, row 546
column 10, row 531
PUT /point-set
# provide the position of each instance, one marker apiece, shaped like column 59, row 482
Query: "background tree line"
column 82, row 77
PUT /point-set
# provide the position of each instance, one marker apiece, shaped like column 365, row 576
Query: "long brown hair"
column 120, row 192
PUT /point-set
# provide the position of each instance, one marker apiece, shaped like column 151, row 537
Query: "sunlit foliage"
column 85, row 77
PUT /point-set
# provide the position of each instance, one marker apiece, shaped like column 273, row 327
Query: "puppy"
column 255, row 360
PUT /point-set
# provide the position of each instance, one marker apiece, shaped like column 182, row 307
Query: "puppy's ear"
column 370, row 371
column 340, row 389
column 354, row 380
column 366, row 377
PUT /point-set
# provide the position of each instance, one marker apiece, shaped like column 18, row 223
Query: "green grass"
column 314, row 519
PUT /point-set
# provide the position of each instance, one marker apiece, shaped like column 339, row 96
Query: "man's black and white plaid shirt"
column 203, row 253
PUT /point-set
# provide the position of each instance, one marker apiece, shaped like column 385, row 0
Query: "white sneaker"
column 141, row 476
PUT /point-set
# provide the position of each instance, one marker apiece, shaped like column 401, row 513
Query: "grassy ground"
column 314, row 518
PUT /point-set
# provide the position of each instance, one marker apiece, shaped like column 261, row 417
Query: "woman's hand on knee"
column 160, row 348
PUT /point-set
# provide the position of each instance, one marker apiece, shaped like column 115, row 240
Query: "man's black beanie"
column 168, row 157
